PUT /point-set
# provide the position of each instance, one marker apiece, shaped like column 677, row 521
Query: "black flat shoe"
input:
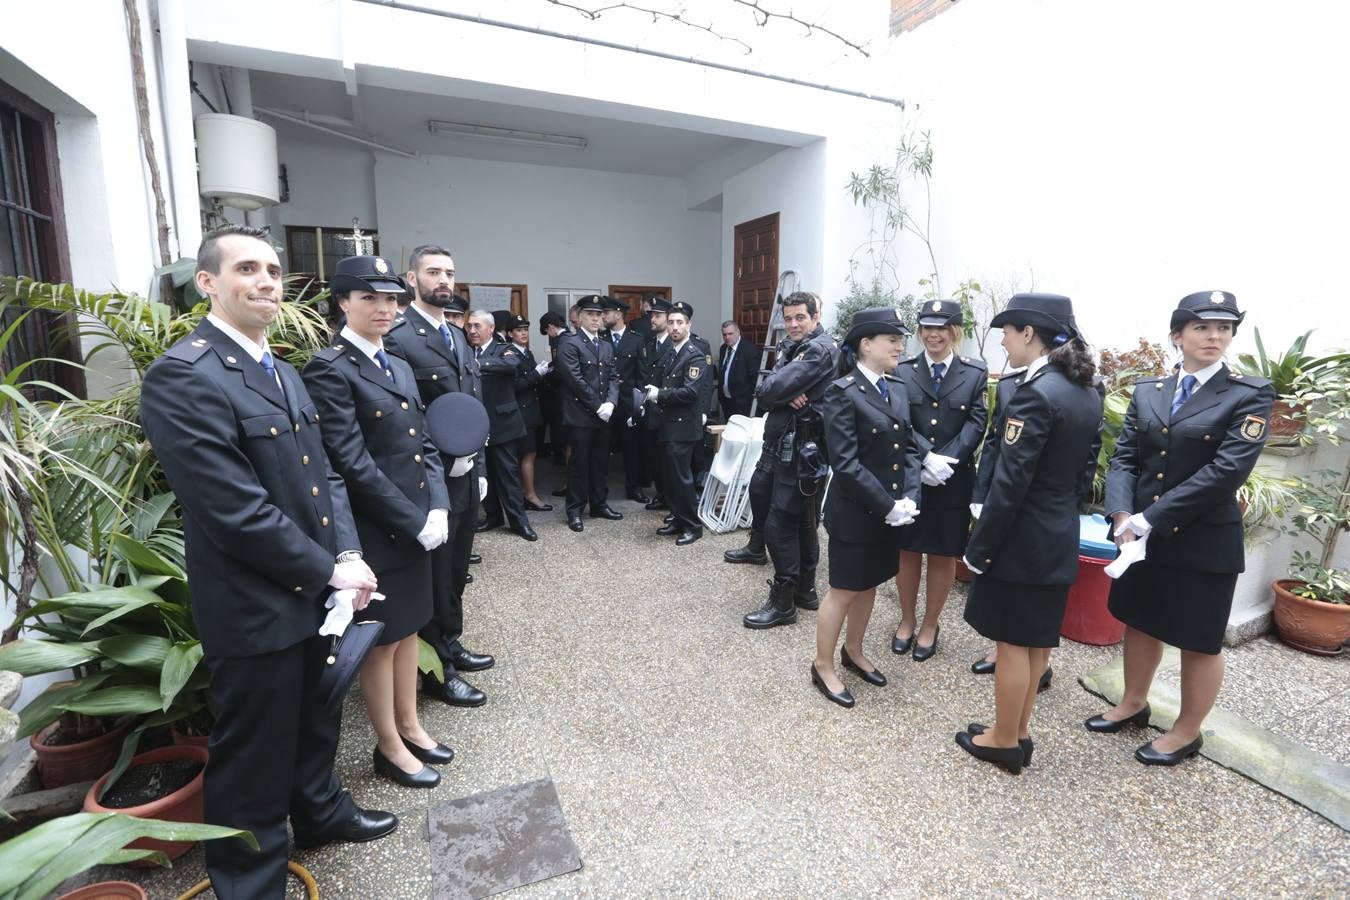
column 468, row 578
column 364, row 825
column 656, row 503
column 474, row 559
column 1009, row 758
column 843, row 698
column 1151, row 756
column 574, row 523
column 1044, row 684
column 487, row 526
column 1103, row 725
column 688, row 537
column 560, row 492
column 538, row 507
column 983, row 667
column 1028, row 747
column 668, row 529
column 605, row 512
column 872, row 677
column 436, row 756
column 921, row 652
column 426, row 777
column 639, row 497
column 901, row 646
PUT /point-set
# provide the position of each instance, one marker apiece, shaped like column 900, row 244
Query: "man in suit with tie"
column 590, row 396
column 737, row 369
column 498, row 363
column 268, row 533
column 438, row 353
column 626, row 431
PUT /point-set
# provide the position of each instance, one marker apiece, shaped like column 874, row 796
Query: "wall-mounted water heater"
column 237, row 161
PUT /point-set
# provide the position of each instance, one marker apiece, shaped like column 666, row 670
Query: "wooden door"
column 756, row 275
column 632, row 295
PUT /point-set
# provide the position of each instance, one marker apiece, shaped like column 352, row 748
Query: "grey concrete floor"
column 693, row 757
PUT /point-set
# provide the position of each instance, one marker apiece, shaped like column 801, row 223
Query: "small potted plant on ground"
column 1312, row 608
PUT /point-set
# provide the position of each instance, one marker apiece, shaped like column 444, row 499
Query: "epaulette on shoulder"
column 974, row 361
column 889, row 377
column 189, row 349
column 908, row 361
column 1255, row 382
column 328, row 354
column 1150, row 379
column 844, row 381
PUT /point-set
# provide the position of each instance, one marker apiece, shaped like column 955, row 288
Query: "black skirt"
column 939, row 531
column 406, row 606
column 1181, row 607
column 858, row 566
column 1027, row 615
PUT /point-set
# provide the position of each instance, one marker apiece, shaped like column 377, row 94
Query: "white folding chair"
column 727, row 487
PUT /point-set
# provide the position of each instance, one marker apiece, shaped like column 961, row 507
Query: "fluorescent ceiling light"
column 509, row 135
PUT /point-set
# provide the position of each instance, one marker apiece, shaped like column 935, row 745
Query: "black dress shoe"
column 574, row 523
column 656, row 503
column 638, row 497
column 843, row 698
column 982, row 667
column 688, row 537
column 560, row 492
column 1044, row 684
column 364, row 825
column 538, row 507
column 485, row 525
column 901, row 646
column 605, row 512
column 872, row 677
column 526, row 532
column 921, row 652
column 426, row 777
column 437, row 756
column 455, row 691
column 468, row 578
column 1009, row 758
column 668, row 529
column 668, row 519
column 468, row 661
column 1103, row 725
column 1151, row 756
column 474, row 559
column 1027, row 745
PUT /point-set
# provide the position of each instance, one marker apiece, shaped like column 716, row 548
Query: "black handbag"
column 348, row 651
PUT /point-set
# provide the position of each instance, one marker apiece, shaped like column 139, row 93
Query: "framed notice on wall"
column 491, row 297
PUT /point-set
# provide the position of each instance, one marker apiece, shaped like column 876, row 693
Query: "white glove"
column 543, row 367
column 939, row 466
column 462, row 465
column 482, row 487
column 705, row 419
column 929, row 479
column 902, row 513
column 629, row 423
column 605, row 411
column 1138, row 524
column 652, row 391
column 972, row 568
column 341, row 610
column 976, row 509
column 353, row 574
column 436, row 531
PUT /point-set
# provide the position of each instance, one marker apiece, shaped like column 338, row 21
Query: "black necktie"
column 938, row 370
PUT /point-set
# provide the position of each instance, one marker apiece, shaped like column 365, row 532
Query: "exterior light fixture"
column 507, row 135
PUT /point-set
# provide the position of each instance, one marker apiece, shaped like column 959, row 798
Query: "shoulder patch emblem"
column 508, row 353
column 1012, row 431
column 1253, row 428
column 694, row 371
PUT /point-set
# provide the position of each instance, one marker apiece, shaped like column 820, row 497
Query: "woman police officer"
column 1188, row 443
column 946, row 396
column 1024, row 547
column 876, row 483
column 375, row 434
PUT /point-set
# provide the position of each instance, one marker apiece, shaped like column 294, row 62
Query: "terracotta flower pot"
column 1310, row 625
column 63, row 764
column 183, row 805
column 189, row 740
column 1284, row 428
column 106, row 890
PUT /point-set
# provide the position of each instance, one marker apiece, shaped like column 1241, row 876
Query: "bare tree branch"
column 762, row 17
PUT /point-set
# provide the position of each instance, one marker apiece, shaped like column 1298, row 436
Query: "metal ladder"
column 775, row 334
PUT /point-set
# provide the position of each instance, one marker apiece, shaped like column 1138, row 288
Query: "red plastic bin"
column 1086, row 619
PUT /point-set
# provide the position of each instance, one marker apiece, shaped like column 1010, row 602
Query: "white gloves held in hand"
column 543, row 367
column 436, row 531
column 462, row 465
column 938, row 468
column 605, row 411
column 902, row 513
column 652, row 391
column 1138, row 524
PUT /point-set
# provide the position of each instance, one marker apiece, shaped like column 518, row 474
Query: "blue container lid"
column 1093, row 541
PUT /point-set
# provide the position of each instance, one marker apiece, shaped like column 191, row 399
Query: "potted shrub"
column 1312, row 608
column 164, row 784
column 1289, row 373
column 35, row 863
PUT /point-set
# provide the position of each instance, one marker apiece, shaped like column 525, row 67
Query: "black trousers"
column 733, row 407
column 652, row 462
column 677, row 458
column 449, row 574
column 629, row 440
column 790, row 521
column 588, row 469
column 272, row 752
column 505, row 500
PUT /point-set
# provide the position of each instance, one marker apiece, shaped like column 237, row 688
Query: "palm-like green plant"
column 1291, row 369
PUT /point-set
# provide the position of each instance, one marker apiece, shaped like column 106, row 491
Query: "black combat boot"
column 778, row 609
column 752, row 553
column 805, row 596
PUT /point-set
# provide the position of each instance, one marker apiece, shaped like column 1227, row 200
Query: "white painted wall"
column 330, row 182
column 547, row 227
column 1129, row 154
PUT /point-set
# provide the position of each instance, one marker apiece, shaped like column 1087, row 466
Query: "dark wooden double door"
column 756, row 275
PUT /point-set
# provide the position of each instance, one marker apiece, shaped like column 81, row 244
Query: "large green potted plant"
column 1288, row 373
column 1312, row 607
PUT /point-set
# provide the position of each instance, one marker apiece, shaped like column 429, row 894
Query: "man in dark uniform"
column 651, row 366
column 590, row 396
column 498, row 364
column 737, row 371
column 791, row 394
column 683, row 392
column 438, row 353
column 626, row 431
column 268, row 532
